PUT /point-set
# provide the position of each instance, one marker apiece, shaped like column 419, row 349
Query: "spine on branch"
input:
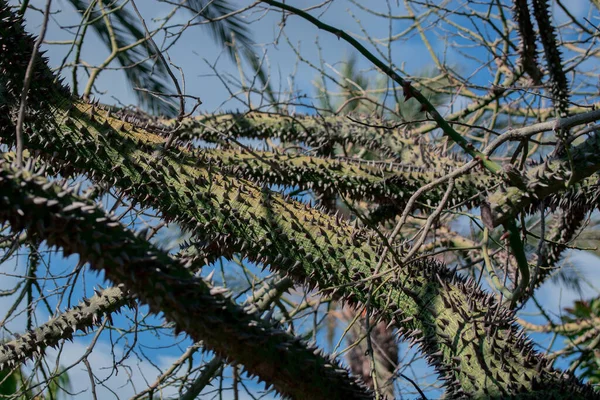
column 321, row 133
column 389, row 183
column 471, row 340
column 549, row 178
column 527, row 47
column 559, row 85
column 566, row 223
column 203, row 311
column 428, row 304
column 81, row 317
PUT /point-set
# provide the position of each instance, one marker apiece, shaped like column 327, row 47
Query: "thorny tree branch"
column 487, row 122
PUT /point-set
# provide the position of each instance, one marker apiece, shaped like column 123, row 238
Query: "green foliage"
column 16, row 385
column 9, row 382
column 588, row 358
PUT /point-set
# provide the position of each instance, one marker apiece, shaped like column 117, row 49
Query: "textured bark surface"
column 203, row 311
column 559, row 85
column 527, row 45
column 469, row 338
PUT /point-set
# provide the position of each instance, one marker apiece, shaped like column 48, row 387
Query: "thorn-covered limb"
column 565, row 225
column 319, row 133
column 559, row 85
column 203, row 311
column 308, row 245
column 571, row 207
column 261, row 300
column 390, row 183
column 527, row 46
column 547, row 179
column 470, row 339
column 240, row 216
column 81, row 317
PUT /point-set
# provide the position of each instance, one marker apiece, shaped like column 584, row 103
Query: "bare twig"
column 27, row 83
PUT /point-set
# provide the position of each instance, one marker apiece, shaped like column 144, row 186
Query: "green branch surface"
column 377, row 182
column 321, row 133
column 429, row 305
column 77, row 226
column 551, row 177
column 409, row 91
column 470, row 339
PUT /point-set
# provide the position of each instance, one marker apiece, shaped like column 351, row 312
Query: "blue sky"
column 195, row 53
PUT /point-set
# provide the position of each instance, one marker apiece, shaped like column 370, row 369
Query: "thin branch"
column 409, row 90
column 27, row 82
